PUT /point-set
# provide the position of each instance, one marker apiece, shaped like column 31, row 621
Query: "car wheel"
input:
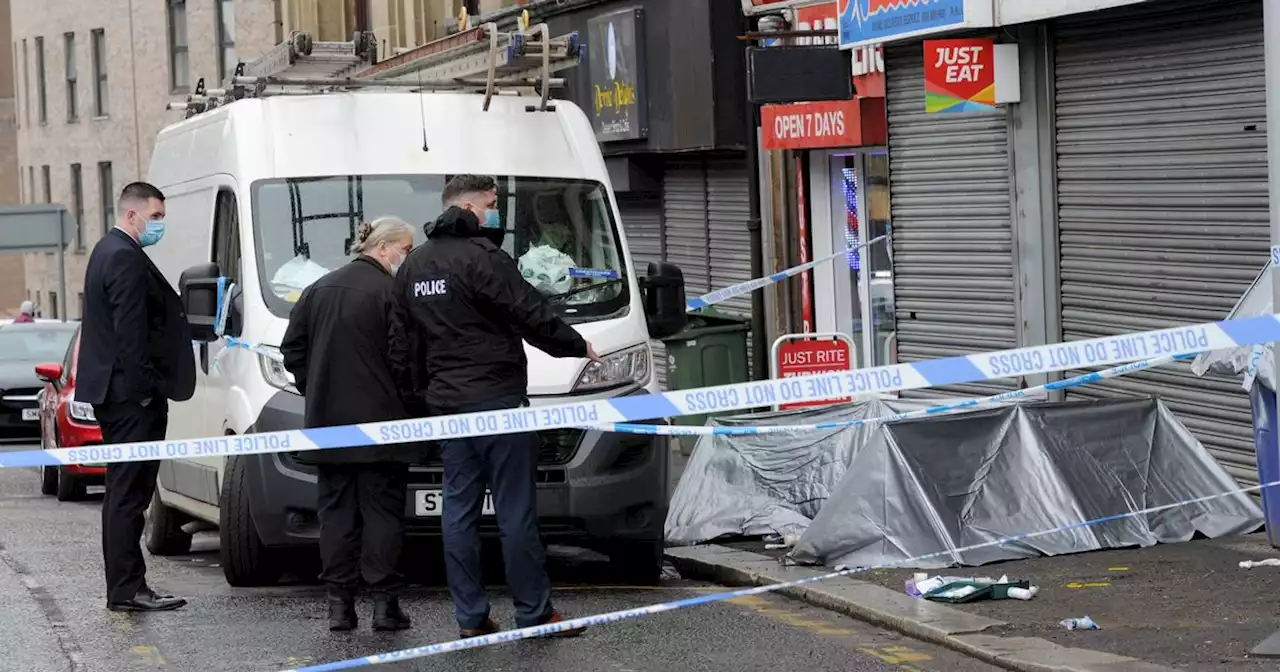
column 164, row 533
column 246, row 561
column 638, row 561
column 70, row 488
column 48, row 480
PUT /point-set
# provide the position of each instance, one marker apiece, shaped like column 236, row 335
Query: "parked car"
column 22, row 347
column 66, row 423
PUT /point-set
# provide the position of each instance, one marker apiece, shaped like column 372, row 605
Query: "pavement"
column 52, row 617
column 1185, row 606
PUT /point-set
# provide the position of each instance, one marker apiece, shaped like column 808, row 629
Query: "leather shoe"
column 342, row 614
column 488, row 628
column 387, row 614
column 555, row 617
column 148, row 600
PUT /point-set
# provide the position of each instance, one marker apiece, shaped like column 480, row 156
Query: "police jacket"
column 337, row 348
column 462, row 312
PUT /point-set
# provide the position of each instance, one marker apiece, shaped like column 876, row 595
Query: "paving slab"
column 960, row 629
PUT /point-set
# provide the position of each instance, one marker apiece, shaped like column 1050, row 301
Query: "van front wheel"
column 246, row 561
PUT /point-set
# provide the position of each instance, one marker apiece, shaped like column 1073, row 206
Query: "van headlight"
column 272, row 363
column 81, row 412
column 620, row 368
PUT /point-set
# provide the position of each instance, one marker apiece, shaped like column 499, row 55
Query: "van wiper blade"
column 563, row 296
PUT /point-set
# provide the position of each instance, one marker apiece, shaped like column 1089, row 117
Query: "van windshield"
column 560, row 232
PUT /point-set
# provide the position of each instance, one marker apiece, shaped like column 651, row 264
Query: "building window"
column 31, row 184
column 26, row 81
column 69, row 47
column 17, row 91
column 226, row 39
column 53, row 305
column 80, row 304
column 42, row 100
column 179, row 65
column 99, row 44
column 395, row 13
column 48, row 187
column 107, row 195
column 77, row 204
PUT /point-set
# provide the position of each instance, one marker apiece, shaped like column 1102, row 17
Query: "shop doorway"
column 850, row 207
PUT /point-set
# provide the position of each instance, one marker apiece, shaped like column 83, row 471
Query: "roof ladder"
column 481, row 59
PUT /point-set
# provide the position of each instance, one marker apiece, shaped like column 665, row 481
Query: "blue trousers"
column 508, row 466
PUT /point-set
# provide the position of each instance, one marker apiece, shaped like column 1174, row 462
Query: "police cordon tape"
column 628, row 614
column 1032, row 360
column 993, row 400
column 744, row 288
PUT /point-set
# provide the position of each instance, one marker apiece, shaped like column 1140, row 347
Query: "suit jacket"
column 134, row 339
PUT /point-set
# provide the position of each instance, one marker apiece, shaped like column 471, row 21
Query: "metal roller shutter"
column 642, row 224
column 684, row 210
column 949, row 191
column 1162, row 191
column 729, row 241
column 728, row 209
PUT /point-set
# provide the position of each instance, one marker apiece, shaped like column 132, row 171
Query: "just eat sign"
column 959, row 75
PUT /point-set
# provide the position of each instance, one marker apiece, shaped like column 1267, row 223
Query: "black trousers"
column 361, row 509
column 130, row 486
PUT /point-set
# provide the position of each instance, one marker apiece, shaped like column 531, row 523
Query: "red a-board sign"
column 810, row 356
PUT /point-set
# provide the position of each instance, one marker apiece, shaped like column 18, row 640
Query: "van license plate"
column 431, row 503
column 30, row 414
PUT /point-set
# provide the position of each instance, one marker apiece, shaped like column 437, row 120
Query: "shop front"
column 1162, row 207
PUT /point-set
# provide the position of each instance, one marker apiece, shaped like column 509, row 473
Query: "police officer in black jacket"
column 337, row 348
column 462, row 313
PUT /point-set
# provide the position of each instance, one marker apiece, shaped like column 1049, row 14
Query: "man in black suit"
column 135, row 355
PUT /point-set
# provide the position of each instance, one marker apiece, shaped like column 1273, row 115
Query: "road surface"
column 52, row 616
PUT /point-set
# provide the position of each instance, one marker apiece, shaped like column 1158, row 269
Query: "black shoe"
column 387, row 614
column 148, row 600
column 342, row 614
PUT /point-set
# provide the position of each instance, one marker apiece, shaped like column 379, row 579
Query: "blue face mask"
column 491, row 220
column 153, row 233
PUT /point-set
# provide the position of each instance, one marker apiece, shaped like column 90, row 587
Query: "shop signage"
column 868, row 61
column 969, row 75
column 865, row 22
column 619, row 106
column 798, row 355
column 838, row 123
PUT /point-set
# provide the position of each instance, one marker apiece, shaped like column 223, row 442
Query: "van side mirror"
column 664, row 302
column 198, row 287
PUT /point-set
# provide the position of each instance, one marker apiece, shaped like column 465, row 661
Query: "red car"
column 66, row 423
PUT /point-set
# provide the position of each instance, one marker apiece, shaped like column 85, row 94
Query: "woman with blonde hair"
column 338, row 348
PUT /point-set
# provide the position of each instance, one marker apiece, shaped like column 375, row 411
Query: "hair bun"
column 364, row 231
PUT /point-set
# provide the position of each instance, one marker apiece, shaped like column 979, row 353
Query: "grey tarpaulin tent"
column 883, row 494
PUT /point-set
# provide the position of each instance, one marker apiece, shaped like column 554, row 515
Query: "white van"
column 268, row 191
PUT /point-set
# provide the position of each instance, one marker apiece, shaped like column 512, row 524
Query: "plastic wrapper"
column 547, row 269
column 294, row 276
column 883, row 493
column 1253, row 362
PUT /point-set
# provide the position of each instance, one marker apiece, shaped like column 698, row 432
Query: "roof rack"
column 481, row 59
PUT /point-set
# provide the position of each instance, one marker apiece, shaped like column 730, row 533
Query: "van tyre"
column 638, row 562
column 48, row 480
column 246, row 561
column 70, row 488
column 164, row 533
